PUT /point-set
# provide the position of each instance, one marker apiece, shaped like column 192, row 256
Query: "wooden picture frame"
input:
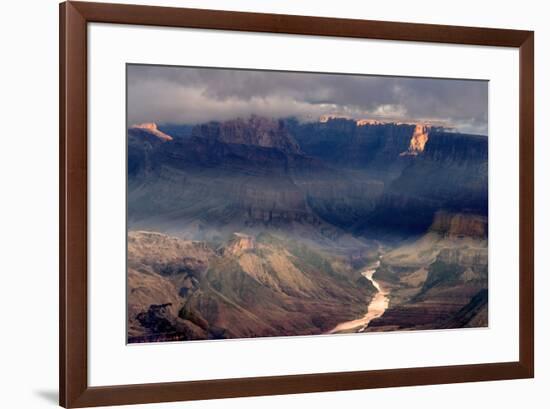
column 73, row 229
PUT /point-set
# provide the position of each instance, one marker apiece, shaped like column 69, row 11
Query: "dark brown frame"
column 73, row 380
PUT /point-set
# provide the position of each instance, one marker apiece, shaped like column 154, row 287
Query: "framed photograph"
column 256, row 204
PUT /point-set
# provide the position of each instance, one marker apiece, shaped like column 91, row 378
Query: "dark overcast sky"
column 193, row 95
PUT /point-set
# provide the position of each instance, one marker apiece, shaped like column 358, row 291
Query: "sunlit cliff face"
column 419, row 138
column 240, row 243
column 363, row 122
column 152, row 128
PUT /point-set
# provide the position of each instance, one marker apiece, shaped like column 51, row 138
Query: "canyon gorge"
column 257, row 227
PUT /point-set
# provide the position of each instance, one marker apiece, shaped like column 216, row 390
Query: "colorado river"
column 375, row 309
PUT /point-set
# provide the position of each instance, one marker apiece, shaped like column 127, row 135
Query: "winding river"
column 375, row 309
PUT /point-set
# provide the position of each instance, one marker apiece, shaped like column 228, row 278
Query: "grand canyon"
column 275, row 225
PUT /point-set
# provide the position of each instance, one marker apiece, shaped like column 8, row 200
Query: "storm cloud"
column 187, row 95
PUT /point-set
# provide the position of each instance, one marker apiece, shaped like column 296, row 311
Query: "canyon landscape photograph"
column 276, row 203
